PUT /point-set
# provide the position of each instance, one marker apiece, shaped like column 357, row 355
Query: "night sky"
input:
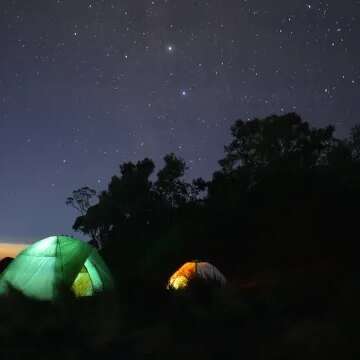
column 87, row 85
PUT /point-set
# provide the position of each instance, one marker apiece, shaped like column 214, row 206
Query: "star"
column 86, row 89
column 170, row 48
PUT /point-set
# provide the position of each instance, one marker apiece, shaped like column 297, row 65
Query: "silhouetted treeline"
column 278, row 218
column 286, row 197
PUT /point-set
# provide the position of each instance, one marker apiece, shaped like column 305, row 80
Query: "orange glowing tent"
column 195, row 269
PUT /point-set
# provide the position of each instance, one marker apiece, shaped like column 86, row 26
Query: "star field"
column 86, row 85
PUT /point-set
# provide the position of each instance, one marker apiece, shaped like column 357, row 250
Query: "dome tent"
column 57, row 262
column 195, row 270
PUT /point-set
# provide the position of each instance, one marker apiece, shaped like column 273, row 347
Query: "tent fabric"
column 49, row 266
column 190, row 270
column 82, row 285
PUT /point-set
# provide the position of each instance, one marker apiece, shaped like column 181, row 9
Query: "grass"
column 199, row 323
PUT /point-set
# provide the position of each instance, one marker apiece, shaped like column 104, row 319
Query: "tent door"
column 82, row 285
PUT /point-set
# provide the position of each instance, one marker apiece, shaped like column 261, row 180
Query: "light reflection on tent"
column 192, row 270
column 50, row 266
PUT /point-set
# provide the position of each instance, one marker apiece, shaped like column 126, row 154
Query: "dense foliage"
column 286, row 195
column 278, row 218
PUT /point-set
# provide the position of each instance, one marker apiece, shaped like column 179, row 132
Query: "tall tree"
column 81, row 199
column 276, row 139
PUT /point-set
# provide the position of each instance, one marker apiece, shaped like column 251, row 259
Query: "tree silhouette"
column 283, row 139
column 81, row 199
column 135, row 214
column 169, row 185
column 284, row 195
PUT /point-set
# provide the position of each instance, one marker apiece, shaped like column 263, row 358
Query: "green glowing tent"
column 50, row 266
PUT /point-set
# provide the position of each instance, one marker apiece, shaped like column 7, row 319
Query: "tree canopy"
column 285, row 193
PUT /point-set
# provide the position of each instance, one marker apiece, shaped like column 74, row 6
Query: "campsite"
column 179, row 179
column 280, row 284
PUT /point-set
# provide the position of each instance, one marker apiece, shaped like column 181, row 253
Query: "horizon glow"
column 11, row 250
